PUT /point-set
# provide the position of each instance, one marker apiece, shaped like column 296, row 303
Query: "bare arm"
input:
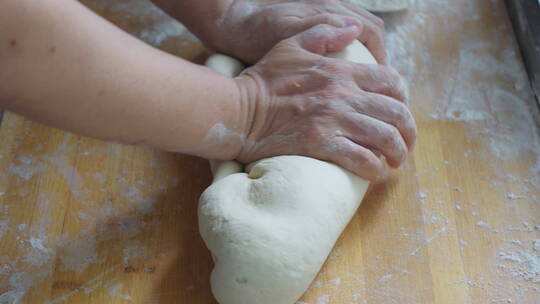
column 63, row 65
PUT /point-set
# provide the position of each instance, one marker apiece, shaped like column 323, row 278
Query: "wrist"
column 226, row 135
column 250, row 90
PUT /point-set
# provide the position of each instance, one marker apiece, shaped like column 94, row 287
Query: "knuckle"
column 335, row 67
column 390, row 74
column 334, row 93
column 401, row 115
column 321, row 29
column 413, row 130
column 368, row 161
column 391, row 139
column 289, row 43
column 328, row 19
column 378, row 22
column 314, row 131
column 379, row 34
column 370, row 164
column 392, row 82
column 375, row 30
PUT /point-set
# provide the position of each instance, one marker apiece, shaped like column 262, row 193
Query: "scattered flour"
column 134, row 250
column 536, row 245
column 70, row 174
column 457, row 189
column 116, row 291
column 527, row 265
column 512, row 196
column 144, row 204
column 324, row 299
column 38, row 244
column 335, row 281
column 385, row 278
column 482, row 224
column 78, row 254
column 486, row 85
column 38, row 254
column 26, row 167
column 4, row 226
column 19, row 283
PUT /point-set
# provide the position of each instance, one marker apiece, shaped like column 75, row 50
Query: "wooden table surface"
column 83, row 221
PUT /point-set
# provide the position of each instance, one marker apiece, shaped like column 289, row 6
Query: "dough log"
column 271, row 228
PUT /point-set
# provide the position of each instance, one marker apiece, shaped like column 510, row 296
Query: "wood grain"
column 83, row 221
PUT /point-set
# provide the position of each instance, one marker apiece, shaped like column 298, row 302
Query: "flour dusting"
column 536, row 245
column 116, row 291
column 26, row 167
column 522, row 264
column 385, row 278
column 485, row 87
column 134, row 250
column 324, row 299
column 4, row 227
column 482, row 224
column 159, row 27
column 78, row 254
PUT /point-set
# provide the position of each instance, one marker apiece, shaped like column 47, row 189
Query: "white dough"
column 271, row 229
column 355, row 52
column 381, row 6
column 225, row 65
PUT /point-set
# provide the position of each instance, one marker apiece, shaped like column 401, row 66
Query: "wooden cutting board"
column 83, row 221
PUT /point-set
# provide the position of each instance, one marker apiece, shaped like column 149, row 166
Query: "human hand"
column 296, row 101
column 249, row 29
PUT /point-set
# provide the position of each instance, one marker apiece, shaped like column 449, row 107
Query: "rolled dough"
column 271, row 228
column 381, row 6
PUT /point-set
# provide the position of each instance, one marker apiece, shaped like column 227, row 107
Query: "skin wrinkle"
column 306, row 110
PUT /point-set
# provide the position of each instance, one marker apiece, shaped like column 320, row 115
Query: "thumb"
column 323, row 38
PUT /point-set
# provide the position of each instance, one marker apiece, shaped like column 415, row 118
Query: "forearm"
column 67, row 67
column 201, row 16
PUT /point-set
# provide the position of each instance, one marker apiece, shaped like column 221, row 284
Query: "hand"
column 249, row 29
column 296, row 101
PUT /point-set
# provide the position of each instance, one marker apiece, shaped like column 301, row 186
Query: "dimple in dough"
column 271, row 228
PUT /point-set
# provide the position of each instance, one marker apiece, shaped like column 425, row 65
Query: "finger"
column 376, row 134
column 372, row 37
column 337, row 20
column 392, row 112
column 355, row 158
column 372, row 34
column 364, row 13
column 322, row 39
column 380, row 79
